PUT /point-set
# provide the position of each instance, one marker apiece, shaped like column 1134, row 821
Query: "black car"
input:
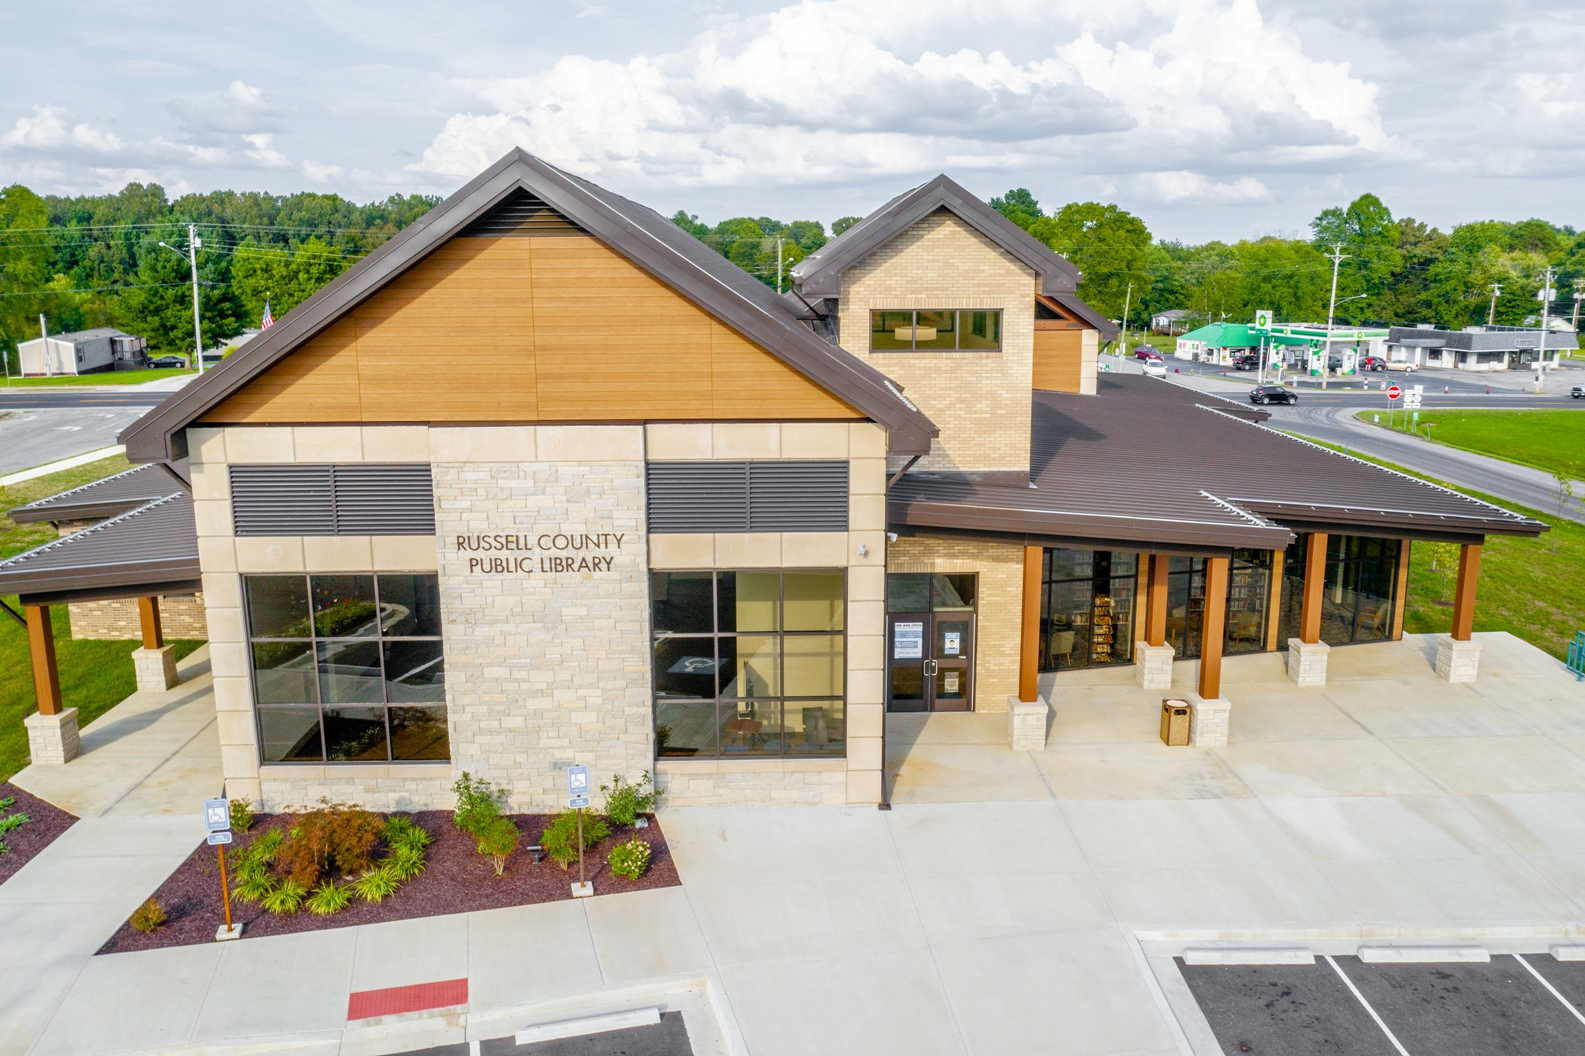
column 164, row 362
column 1272, row 394
column 1246, row 361
column 1372, row 363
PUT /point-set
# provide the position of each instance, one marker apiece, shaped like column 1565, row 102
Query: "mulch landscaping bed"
column 457, row 879
column 33, row 836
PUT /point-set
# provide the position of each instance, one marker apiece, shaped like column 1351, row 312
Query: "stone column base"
column 1457, row 661
column 1153, row 666
column 1026, row 724
column 52, row 739
column 1208, row 721
column 1307, row 662
column 156, row 668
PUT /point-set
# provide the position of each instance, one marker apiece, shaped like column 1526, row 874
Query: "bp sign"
column 1263, row 319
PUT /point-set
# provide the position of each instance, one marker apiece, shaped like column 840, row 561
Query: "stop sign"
column 1394, row 392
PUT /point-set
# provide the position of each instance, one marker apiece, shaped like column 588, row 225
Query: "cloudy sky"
column 1208, row 118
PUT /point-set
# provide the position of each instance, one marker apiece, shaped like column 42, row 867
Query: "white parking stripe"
column 1550, row 988
column 1361, row 999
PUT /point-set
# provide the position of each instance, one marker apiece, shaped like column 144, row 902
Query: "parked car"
column 1577, row 392
column 1334, row 363
column 1145, row 352
column 1272, row 394
column 1372, row 363
column 1246, row 361
column 1156, row 368
column 163, row 362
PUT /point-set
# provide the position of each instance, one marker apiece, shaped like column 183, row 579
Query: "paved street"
column 33, row 438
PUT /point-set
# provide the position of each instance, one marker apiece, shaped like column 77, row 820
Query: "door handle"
column 930, row 667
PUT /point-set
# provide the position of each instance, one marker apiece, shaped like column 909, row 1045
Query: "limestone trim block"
column 405, row 553
column 396, row 443
column 213, row 517
column 682, row 551
column 264, row 553
column 483, row 443
column 260, row 443
column 1153, row 666
column 1457, row 661
column 678, row 442
column 155, row 668
column 1026, row 724
column 590, row 443
column 1307, row 662
column 827, row 440
column 206, row 445
column 327, row 443
column 1208, row 721
column 211, row 481
column 735, row 440
column 53, row 739
column 863, row 787
column 337, row 553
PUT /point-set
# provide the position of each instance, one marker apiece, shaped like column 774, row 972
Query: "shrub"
column 625, row 802
column 285, row 898
column 498, row 842
column 11, row 822
column 407, row 862
column 253, row 887
column 242, row 814
column 401, row 832
column 328, row 898
column 478, row 804
column 560, row 838
column 629, row 859
column 377, row 884
column 333, row 839
column 148, row 917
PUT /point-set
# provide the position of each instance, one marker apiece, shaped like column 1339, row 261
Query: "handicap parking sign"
column 217, row 815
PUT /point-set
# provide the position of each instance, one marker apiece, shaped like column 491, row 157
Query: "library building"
column 546, row 481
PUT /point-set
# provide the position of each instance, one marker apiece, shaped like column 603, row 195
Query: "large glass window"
column 348, row 668
column 1359, row 594
column 1087, row 606
column 749, row 663
column 1248, row 588
column 936, row 331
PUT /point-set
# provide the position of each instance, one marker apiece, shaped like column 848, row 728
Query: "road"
column 32, row 438
column 50, row 399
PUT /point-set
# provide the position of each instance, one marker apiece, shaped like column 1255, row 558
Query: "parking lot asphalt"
column 669, row 1037
column 1341, row 1006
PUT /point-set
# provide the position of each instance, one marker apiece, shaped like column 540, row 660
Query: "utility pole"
column 1338, row 257
column 1128, row 300
column 1546, row 295
column 1491, row 313
column 1579, row 293
column 49, row 360
column 778, row 265
column 194, row 244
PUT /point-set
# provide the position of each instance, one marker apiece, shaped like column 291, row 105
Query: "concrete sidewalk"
column 1014, row 918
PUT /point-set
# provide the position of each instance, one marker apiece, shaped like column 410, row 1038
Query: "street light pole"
column 1546, row 302
column 1491, row 313
column 194, row 244
column 1128, row 299
column 1326, row 355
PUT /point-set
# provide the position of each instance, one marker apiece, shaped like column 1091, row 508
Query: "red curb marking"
column 394, row 1000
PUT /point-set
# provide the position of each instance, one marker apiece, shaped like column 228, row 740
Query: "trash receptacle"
column 1175, row 722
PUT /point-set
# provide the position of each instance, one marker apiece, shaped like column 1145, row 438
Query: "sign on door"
column 908, row 641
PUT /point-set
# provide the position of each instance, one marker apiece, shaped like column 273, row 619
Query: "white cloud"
column 240, row 109
column 321, row 173
column 813, row 93
column 47, row 130
column 1184, row 186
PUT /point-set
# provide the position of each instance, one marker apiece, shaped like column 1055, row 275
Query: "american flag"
column 268, row 320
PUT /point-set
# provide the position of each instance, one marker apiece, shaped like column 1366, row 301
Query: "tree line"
column 96, row 260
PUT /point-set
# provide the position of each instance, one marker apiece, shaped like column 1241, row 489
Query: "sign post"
column 217, row 819
column 1393, row 392
column 578, row 798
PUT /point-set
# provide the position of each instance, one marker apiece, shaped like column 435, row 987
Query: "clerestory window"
column 936, row 331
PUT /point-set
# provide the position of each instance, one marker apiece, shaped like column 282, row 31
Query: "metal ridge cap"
column 1244, row 520
column 89, row 532
column 102, row 481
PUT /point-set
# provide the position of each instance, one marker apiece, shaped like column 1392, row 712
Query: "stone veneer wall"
column 857, row 777
column 543, row 672
column 181, row 616
column 980, row 400
column 999, row 613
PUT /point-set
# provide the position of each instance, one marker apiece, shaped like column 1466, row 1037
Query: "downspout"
column 886, row 797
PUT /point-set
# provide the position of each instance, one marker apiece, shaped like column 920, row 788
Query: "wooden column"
column 1213, row 631
column 1156, row 600
column 1464, row 595
column 1400, row 595
column 1029, row 644
column 149, row 617
column 41, row 647
column 1274, row 601
column 1314, row 586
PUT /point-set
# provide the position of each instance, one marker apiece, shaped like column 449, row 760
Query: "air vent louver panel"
column 346, row 499
column 770, row 496
column 282, row 500
column 520, row 215
column 798, row 497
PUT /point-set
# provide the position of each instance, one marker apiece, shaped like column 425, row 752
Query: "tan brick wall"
column 998, row 606
column 979, row 400
column 117, row 620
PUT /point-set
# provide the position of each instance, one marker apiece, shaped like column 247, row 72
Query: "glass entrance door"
column 930, row 661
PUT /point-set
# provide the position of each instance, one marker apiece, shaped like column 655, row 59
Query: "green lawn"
column 109, row 377
column 95, row 676
column 1553, row 441
column 1532, row 588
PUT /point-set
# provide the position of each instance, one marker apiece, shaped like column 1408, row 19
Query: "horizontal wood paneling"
column 1059, row 355
column 528, row 329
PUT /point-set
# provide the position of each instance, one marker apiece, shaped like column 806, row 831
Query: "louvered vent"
column 798, row 497
column 282, row 500
column 520, row 215
column 748, row 496
column 347, row 499
column 384, row 500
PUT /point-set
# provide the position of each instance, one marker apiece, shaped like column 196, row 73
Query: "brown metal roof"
column 1150, row 463
column 150, row 549
column 639, row 233
column 108, row 497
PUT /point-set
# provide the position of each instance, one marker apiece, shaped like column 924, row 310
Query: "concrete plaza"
column 1011, row 902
